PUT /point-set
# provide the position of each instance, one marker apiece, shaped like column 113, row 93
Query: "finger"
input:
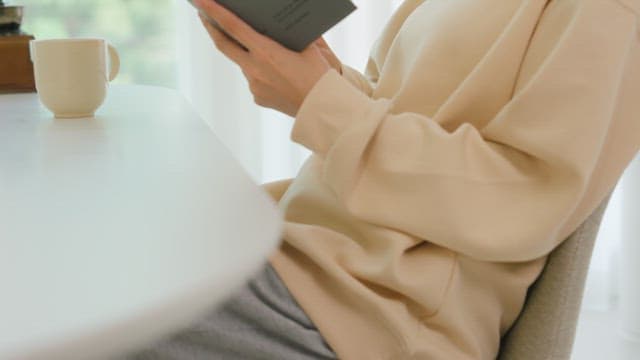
column 325, row 49
column 322, row 43
column 231, row 23
column 328, row 55
column 225, row 44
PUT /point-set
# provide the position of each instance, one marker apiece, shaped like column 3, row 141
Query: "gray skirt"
column 261, row 321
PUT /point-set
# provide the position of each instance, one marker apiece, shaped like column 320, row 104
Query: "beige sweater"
column 483, row 134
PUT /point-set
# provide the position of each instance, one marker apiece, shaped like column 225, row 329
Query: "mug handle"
column 114, row 62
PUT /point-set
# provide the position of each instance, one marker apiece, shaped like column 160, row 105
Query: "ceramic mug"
column 72, row 75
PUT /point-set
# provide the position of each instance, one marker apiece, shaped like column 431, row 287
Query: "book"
column 293, row 23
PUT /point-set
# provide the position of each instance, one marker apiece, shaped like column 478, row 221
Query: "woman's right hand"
column 329, row 55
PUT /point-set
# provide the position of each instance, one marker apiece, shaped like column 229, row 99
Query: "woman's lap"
column 262, row 321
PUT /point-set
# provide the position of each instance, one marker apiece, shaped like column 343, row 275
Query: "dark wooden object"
column 16, row 69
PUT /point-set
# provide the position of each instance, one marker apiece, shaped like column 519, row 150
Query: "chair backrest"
column 546, row 326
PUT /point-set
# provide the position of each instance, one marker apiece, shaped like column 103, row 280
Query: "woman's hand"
column 329, row 55
column 278, row 77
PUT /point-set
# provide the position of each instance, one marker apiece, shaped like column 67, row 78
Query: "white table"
column 121, row 228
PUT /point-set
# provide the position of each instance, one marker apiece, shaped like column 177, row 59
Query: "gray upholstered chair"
column 546, row 327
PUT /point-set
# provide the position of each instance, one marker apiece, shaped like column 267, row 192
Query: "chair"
column 546, row 326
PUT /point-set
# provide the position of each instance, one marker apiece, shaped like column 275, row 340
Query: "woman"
column 482, row 135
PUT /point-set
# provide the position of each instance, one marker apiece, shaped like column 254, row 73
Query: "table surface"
column 118, row 229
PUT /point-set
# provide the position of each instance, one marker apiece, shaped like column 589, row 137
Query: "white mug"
column 72, row 75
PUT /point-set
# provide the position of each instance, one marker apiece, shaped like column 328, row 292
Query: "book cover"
column 293, row 23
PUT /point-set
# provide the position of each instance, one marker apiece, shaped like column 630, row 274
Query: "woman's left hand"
column 278, row 77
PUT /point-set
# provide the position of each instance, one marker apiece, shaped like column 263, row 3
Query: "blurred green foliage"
column 143, row 31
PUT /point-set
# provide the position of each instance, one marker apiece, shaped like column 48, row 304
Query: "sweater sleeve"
column 497, row 193
column 357, row 79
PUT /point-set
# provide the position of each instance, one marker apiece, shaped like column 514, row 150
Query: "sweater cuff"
column 356, row 78
column 331, row 106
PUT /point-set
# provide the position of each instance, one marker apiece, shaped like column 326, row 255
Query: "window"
column 141, row 30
